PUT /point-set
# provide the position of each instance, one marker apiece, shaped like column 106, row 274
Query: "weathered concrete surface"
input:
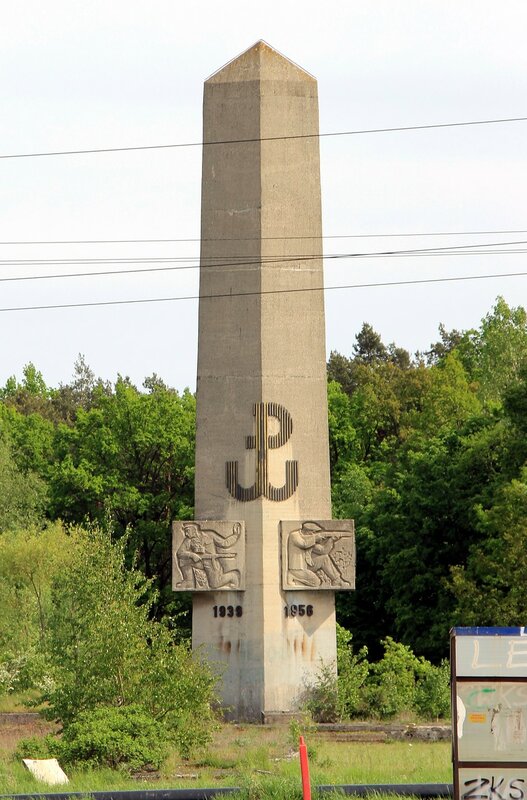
column 370, row 731
column 265, row 346
column 15, row 718
column 47, row 770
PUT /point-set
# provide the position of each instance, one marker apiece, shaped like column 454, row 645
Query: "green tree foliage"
column 490, row 589
column 424, row 453
column 29, row 396
column 432, row 449
column 29, row 560
column 30, row 437
column 344, row 446
column 369, row 347
column 450, row 399
column 494, row 354
column 106, row 651
column 399, row 683
column 124, row 738
column 130, row 457
column 22, row 493
column 98, row 453
column 448, row 342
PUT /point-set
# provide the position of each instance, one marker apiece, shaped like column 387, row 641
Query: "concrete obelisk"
column 262, row 456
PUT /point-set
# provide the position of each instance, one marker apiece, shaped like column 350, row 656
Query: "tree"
column 343, row 444
column 29, row 561
column 450, row 399
column 22, row 493
column 32, row 396
column 490, row 589
column 341, row 371
column 105, row 650
column 30, row 438
column 369, row 347
column 448, row 342
column 79, row 394
column 129, row 457
column 494, row 354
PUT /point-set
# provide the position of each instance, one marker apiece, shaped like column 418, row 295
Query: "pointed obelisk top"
column 259, row 62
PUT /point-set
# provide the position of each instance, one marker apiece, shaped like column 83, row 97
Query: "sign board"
column 489, row 711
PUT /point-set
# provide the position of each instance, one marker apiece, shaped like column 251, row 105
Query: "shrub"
column 302, row 725
column 105, row 650
column 432, row 692
column 336, row 694
column 390, row 688
column 38, row 747
column 352, row 672
column 125, row 738
column 320, row 698
column 400, row 683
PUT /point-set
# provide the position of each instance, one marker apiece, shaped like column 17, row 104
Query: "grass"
column 260, row 759
column 17, row 702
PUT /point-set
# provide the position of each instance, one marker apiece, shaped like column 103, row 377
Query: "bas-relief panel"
column 208, row 555
column 318, row 554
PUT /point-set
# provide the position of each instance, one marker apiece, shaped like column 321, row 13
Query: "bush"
column 336, row 694
column 25, row 671
column 105, row 650
column 403, row 683
column 125, row 738
column 432, row 692
column 352, row 673
column 400, row 683
column 321, row 697
column 38, row 747
column 119, row 738
column 390, row 688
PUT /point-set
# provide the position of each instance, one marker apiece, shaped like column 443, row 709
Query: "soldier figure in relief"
column 309, row 552
column 201, row 550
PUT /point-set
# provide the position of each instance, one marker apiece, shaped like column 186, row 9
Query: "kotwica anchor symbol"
column 262, row 442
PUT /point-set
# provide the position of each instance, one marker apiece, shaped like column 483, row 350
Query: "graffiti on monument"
column 208, row 556
column 318, row 554
column 262, row 442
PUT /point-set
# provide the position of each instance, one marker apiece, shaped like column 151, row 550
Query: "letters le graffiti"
column 262, row 442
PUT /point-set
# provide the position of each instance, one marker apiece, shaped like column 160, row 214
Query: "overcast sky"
column 78, row 74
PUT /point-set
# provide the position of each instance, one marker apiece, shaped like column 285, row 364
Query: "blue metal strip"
column 483, row 631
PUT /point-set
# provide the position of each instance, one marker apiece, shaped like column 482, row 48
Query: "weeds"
column 401, row 683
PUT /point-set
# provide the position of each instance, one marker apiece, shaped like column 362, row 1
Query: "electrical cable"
column 186, row 262
column 264, row 138
column 266, row 238
column 256, row 262
column 265, row 292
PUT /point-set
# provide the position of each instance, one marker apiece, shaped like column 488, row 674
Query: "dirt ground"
column 16, row 726
column 21, row 725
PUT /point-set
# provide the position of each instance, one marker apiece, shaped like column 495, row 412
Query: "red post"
column 304, row 768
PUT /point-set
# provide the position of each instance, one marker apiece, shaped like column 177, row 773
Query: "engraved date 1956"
column 298, row 610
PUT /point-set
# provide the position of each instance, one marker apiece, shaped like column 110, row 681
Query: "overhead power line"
column 461, row 250
column 362, row 132
column 260, row 293
column 267, row 238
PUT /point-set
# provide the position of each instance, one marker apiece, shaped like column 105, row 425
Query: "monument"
column 262, row 556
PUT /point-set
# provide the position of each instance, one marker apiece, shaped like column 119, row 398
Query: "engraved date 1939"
column 227, row 611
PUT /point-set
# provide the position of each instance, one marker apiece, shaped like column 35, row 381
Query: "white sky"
column 91, row 73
